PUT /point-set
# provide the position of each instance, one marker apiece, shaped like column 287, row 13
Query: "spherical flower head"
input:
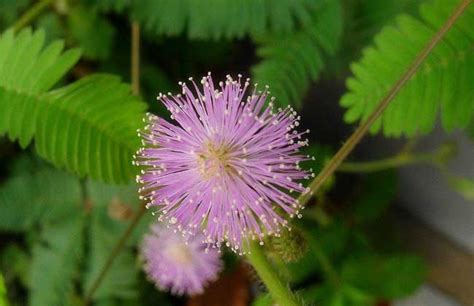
column 228, row 165
column 183, row 266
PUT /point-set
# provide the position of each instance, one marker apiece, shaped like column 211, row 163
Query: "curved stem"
column 355, row 138
column 113, row 254
column 31, row 14
column 279, row 291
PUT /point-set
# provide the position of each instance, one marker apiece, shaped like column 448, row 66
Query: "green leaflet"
column 88, row 127
column 93, row 33
column 55, row 262
column 291, row 61
column 49, row 196
column 113, row 208
column 121, row 280
column 28, row 69
column 442, row 84
column 226, row 19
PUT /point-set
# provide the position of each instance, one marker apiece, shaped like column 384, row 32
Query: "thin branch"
column 355, row 138
column 114, row 253
column 386, row 163
column 31, row 14
column 135, row 58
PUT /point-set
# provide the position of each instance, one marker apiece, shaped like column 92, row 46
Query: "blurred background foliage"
column 69, row 122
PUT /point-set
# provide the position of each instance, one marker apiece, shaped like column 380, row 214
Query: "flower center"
column 180, row 253
column 213, row 161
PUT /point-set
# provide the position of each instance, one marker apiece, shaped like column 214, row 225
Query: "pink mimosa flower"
column 179, row 265
column 227, row 166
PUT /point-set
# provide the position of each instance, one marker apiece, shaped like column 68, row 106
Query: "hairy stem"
column 279, row 290
column 135, row 58
column 31, row 14
column 114, row 253
column 355, row 138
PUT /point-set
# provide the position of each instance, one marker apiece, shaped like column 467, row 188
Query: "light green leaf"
column 88, row 127
column 3, row 292
column 55, row 262
column 442, row 83
column 464, row 186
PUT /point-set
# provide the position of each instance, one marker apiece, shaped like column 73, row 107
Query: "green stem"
column 437, row 158
column 31, row 14
column 113, row 254
column 135, row 58
column 279, row 291
column 360, row 132
column 387, row 163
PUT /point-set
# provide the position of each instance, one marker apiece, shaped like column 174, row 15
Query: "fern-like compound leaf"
column 49, row 196
column 88, row 127
column 291, row 62
column 56, row 261
column 28, row 69
column 216, row 19
column 442, row 85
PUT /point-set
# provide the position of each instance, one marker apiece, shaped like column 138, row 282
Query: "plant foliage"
column 106, row 221
column 88, row 127
column 93, row 33
column 99, row 117
column 121, row 280
column 443, row 83
column 55, row 263
column 290, row 62
column 32, row 199
column 227, row 19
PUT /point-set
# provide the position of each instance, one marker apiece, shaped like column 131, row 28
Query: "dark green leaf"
column 216, row 19
column 378, row 191
column 44, row 196
column 15, row 264
column 55, row 262
column 290, row 62
column 388, row 277
column 121, row 279
column 91, row 32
